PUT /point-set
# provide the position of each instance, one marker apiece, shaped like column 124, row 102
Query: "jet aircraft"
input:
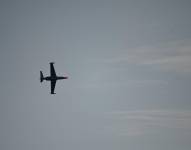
column 52, row 78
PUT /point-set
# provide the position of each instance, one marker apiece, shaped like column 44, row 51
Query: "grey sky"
column 129, row 67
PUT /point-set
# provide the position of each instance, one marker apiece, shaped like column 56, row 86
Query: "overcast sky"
column 129, row 68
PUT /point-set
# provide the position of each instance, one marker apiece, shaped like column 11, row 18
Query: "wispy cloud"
column 133, row 123
column 174, row 56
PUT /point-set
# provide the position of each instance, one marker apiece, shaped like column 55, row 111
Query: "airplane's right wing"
column 52, row 84
column 52, row 70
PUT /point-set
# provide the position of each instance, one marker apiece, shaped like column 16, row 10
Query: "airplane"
column 52, row 78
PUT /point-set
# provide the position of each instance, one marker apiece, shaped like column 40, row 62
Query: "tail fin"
column 41, row 76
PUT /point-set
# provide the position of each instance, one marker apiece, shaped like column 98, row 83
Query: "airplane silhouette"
column 52, row 78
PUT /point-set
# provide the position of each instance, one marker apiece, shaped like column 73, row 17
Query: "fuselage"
column 51, row 78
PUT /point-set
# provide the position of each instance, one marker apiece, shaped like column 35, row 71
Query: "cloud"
column 174, row 56
column 137, row 123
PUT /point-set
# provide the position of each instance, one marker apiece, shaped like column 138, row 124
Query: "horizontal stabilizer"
column 41, row 76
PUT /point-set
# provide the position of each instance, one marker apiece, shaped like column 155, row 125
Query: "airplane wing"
column 52, row 70
column 52, row 84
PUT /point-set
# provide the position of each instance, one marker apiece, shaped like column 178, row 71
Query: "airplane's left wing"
column 52, row 70
column 52, row 84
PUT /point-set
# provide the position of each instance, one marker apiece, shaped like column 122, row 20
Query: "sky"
column 129, row 68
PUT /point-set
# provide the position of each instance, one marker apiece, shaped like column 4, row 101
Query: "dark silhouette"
column 52, row 78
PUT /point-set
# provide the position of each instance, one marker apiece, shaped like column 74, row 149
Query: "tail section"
column 41, row 76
